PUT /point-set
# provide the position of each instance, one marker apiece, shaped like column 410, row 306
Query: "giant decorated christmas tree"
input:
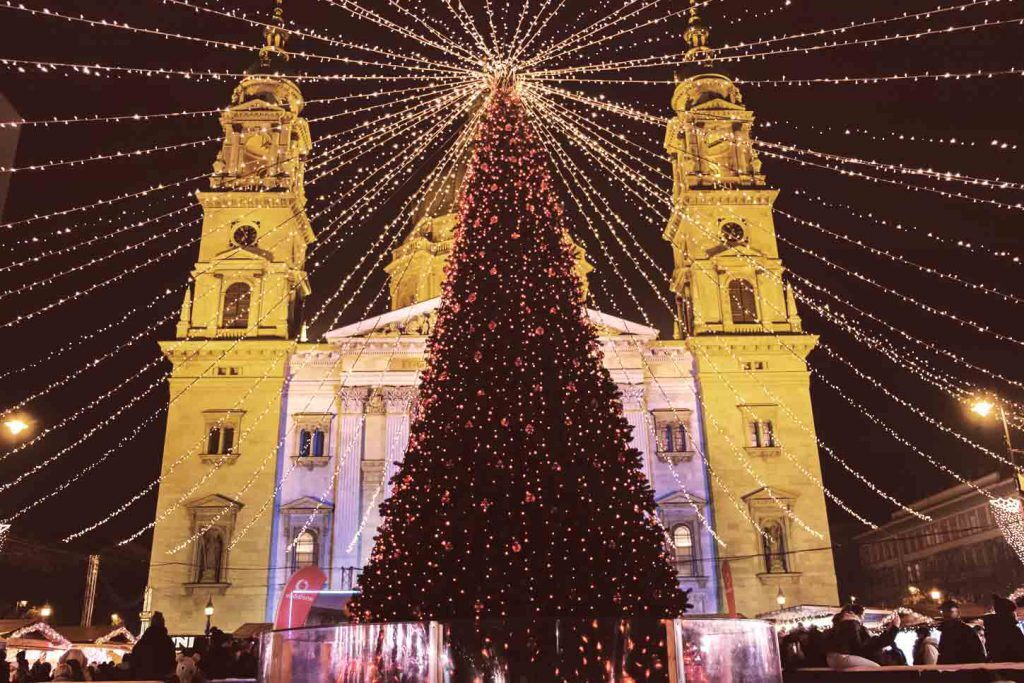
column 520, row 496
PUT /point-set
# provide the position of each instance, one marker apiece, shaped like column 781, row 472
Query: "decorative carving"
column 399, row 400
column 634, row 396
column 375, row 406
column 353, row 400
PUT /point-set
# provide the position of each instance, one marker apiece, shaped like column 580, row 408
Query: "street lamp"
column 115, row 619
column 985, row 407
column 935, row 594
column 15, row 426
column 208, row 611
column 46, row 611
column 780, row 599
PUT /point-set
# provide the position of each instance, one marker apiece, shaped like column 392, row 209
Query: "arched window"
column 682, row 542
column 236, row 306
column 305, row 550
column 743, row 301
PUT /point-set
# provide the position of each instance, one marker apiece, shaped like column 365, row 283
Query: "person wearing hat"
column 958, row 644
column 1005, row 639
column 850, row 645
column 153, row 657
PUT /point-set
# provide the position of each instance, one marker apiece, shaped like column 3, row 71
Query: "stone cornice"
column 728, row 343
column 227, row 349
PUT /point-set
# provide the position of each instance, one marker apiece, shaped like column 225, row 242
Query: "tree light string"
column 19, row 319
column 219, row 138
column 541, row 123
column 210, row 42
column 891, row 136
column 423, row 143
column 907, row 228
column 627, row 175
column 674, row 59
column 844, row 80
column 964, row 322
column 941, row 312
column 542, row 127
column 799, row 466
column 935, row 272
column 237, row 537
column 307, row 33
column 102, row 397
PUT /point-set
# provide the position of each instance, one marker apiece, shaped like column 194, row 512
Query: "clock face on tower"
column 733, row 233
column 245, row 236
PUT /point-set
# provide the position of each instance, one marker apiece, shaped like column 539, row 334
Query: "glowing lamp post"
column 208, row 611
column 46, row 611
column 985, row 407
column 16, row 426
column 935, row 594
column 780, row 599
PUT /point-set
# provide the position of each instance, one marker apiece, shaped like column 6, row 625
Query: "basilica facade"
column 278, row 451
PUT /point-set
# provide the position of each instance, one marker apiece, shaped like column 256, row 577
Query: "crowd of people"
column 996, row 637
column 153, row 658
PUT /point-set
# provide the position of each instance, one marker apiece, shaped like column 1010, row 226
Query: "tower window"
column 220, row 441
column 761, row 434
column 237, row 299
column 305, row 552
column 682, row 543
column 743, row 301
column 312, row 443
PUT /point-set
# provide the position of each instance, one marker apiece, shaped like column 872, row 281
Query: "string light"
column 422, row 143
column 901, row 259
column 897, row 502
column 1008, row 515
column 799, row 466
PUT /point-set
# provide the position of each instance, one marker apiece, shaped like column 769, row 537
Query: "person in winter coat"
column 958, row 644
column 153, row 657
column 1005, row 639
column 926, row 648
column 850, row 645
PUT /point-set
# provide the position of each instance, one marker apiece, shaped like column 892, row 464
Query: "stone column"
column 634, row 405
column 398, row 405
column 349, row 453
column 372, row 495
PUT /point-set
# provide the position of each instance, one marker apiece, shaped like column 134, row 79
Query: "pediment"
column 607, row 325
column 719, row 103
column 305, row 504
column 761, row 495
column 680, row 498
column 257, row 105
column 214, row 500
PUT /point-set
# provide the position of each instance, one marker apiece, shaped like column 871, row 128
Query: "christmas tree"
column 519, row 496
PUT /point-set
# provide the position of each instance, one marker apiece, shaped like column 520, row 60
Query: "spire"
column 275, row 36
column 696, row 37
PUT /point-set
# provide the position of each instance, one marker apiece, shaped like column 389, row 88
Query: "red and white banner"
column 298, row 597
column 729, row 590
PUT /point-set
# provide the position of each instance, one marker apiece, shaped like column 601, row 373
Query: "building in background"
column 278, row 451
column 8, row 146
column 961, row 553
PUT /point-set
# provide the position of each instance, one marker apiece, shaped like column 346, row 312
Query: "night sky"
column 37, row 566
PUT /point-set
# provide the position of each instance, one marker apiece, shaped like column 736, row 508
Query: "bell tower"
column 739, row 318
column 250, row 277
column 238, row 328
